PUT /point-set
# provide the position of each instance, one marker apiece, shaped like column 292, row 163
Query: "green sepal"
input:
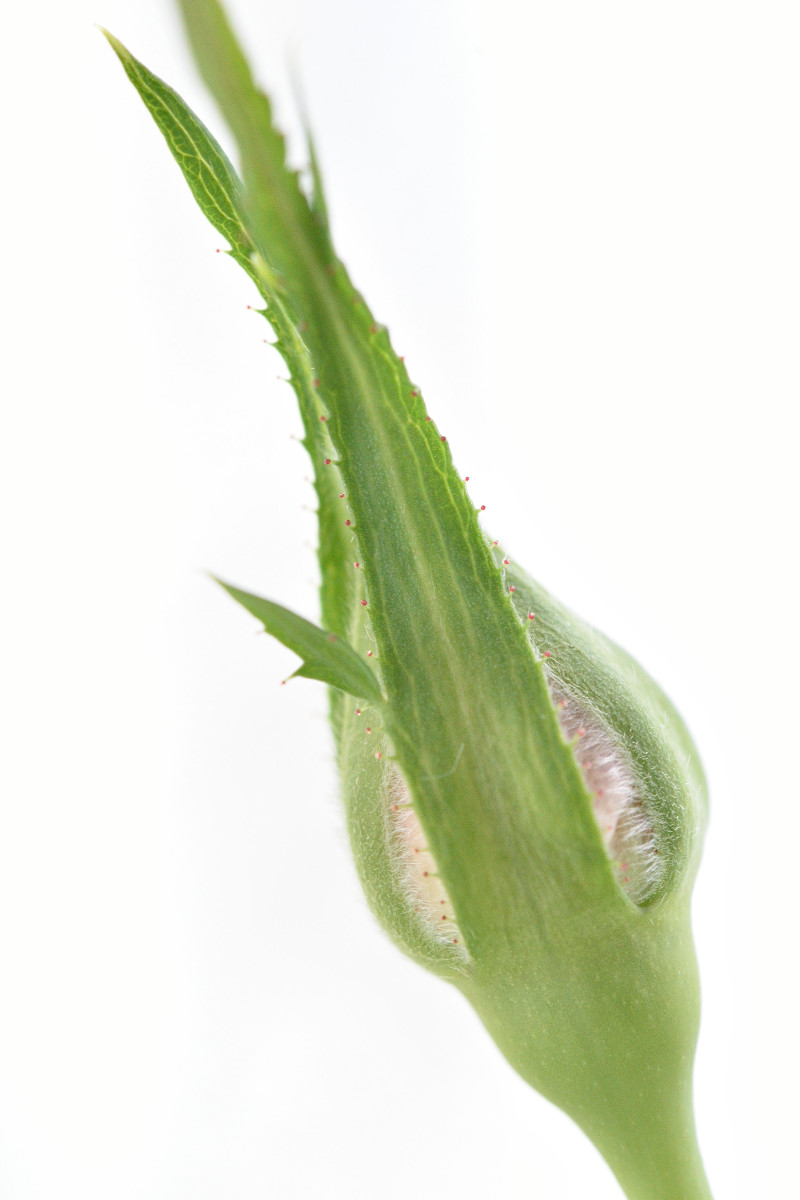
column 326, row 656
column 206, row 167
column 219, row 193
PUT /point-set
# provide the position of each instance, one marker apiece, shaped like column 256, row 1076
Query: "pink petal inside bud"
column 627, row 829
column 417, row 869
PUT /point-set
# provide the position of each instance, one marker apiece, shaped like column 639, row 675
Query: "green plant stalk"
column 475, row 718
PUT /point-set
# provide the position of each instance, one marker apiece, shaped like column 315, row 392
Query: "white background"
column 580, row 221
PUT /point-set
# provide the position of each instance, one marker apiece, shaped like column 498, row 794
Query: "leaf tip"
column 116, row 45
column 232, row 591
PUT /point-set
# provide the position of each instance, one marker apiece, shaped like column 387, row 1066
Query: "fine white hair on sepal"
column 419, row 877
column 626, row 826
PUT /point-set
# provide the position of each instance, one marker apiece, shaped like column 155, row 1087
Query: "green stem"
column 659, row 1159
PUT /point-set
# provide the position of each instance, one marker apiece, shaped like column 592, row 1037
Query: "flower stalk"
column 524, row 804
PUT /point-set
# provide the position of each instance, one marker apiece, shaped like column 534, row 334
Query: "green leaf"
column 326, row 656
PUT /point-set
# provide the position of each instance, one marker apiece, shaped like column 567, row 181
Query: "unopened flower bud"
column 524, row 804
